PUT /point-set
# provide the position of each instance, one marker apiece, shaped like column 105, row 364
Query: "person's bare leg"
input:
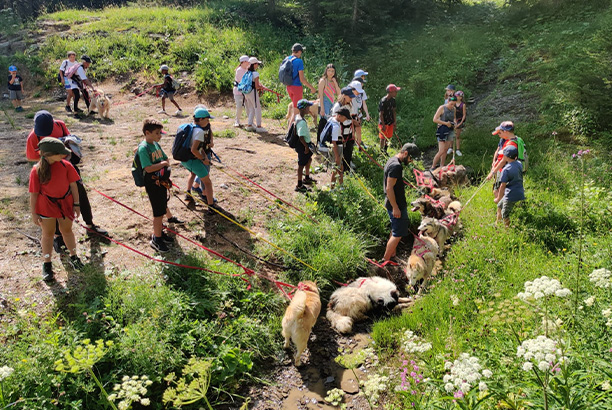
column 391, row 249
column 46, row 241
column 65, row 226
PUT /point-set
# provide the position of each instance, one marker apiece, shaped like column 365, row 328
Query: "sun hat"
column 297, row 47
column 254, row 60
column 359, row 73
column 357, row 86
column 504, row 126
column 511, row 152
column 348, row 91
column 450, row 87
column 43, row 123
column 53, row 146
column 86, row 58
column 244, row 58
column 344, row 112
column 393, row 87
column 411, row 149
column 202, row 113
column 164, row 67
column 303, row 103
column 12, row 68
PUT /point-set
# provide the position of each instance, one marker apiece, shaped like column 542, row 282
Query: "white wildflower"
column 455, row 300
column 411, row 343
column 335, row 397
column 589, row 302
column 542, row 287
column 131, row 390
column 487, row 373
column 605, row 386
column 541, row 351
column 482, row 386
column 5, row 372
column 602, row 278
column 527, row 366
column 465, row 373
column 374, row 385
column 449, row 387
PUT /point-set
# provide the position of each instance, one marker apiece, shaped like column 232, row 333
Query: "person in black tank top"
column 460, row 114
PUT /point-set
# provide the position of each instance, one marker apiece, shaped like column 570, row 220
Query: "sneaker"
column 59, row 246
column 76, row 263
column 249, row 128
column 178, row 112
column 212, row 208
column 237, row 124
column 450, row 151
column 95, row 229
column 175, row 220
column 47, row 272
column 161, row 112
column 167, row 239
column 68, row 109
column 459, row 154
column 301, row 188
column 260, row 129
column 158, row 244
column 308, row 180
column 19, row 109
column 78, row 110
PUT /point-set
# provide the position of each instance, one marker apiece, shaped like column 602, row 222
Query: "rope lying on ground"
column 132, row 99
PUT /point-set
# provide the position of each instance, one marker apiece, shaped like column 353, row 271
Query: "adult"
column 79, row 83
column 46, row 126
column 505, row 131
column 445, row 118
column 449, row 91
column 329, row 90
column 460, row 114
column 66, row 64
column 296, row 89
column 395, row 200
column 238, row 96
column 253, row 99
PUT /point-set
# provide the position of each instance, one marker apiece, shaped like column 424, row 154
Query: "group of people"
column 450, row 119
column 73, row 75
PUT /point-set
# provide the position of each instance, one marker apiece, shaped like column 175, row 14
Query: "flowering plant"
column 373, row 386
column 131, row 390
column 543, row 287
column 602, row 278
column 5, row 372
column 465, row 373
column 545, row 353
column 411, row 343
column 335, row 397
column 607, row 313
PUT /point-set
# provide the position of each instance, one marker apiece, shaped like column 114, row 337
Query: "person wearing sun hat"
column 511, row 188
column 239, row 72
column 54, row 199
column 167, row 90
column 449, row 91
column 387, row 116
column 15, row 87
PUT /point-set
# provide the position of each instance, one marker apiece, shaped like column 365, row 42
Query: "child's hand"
column 36, row 219
column 77, row 211
column 496, row 200
column 165, row 163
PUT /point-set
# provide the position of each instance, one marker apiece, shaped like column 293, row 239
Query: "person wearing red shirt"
column 507, row 139
column 54, row 199
column 46, row 126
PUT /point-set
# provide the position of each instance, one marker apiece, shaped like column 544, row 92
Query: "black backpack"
column 320, row 128
column 138, row 173
column 181, row 147
column 326, row 133
column 292, row 138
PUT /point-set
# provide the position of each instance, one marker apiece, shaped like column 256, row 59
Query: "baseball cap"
column 50, row 145
column 12, row 68
column 242, row 59
column 504, row 126
column 459, row 93
column 511, row 152
column 202, row 113
column 86, row 58
column 164, row 67
column 348, row 91
column 360, row 72
column 297, row 47
column 393, row 87
column 303, row 103
column 411, row 149
column 43, row 123
column 450, row 87
column 254, row 60
column 344, row 112
column 357, row 86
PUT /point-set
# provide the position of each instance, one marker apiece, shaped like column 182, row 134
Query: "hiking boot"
column 47, row 272
column 260, row 129
column 449, row 151
column 68, row 109
column 19, row 109
column 175, row 220
column 167, row 239
column 212, row 208
column 309, row 181
column 95, row 229
column 459, row 154
column 76, row 263
column 301, row 188
column 158, row 244
column 78, row 110
column 59, row 246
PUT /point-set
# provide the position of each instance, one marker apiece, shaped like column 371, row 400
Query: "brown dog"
column 101, row 102
column 421, row 261
column 426, row 208
column 300, row 317
column 313, row 111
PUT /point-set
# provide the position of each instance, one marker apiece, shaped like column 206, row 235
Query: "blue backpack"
column 181, row 147
column 285, row 71
column 245, row 86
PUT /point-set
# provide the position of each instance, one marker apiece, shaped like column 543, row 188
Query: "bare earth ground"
column 108, row 146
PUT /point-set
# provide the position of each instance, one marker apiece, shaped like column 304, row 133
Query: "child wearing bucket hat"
column 15, row 87
column 54, row 197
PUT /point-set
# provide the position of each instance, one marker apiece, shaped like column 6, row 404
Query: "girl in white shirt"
column 238, row 96
column 253, row 100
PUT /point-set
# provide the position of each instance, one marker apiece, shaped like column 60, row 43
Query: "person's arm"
column 257, row 84
column 391, row 196
column 526, row 163
column 320, row 96
column 499, row 165
column 21, row 85
column 304, row 81
column 365, row 109
column 500, row 192
column 74, row 190
column 156, row 167
column 35, row 217
column 196, row 152
column 337, row 87
column 437, row 116
column 381, row 119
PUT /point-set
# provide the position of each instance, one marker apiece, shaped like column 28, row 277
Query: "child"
column 167, row 90
column 238, row 96
column 511, row 189
column 253, row 100
column 66, row 64
column 505, row 130
column 201, row 148
column 460, row 111
column 387, row 116
column 337, row 137
column 54, row 196
column 303, row 149
column 449, row 92
column 15, row 86
column 358, row 103
column 157, row 181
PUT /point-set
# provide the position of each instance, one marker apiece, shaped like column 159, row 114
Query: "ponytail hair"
column 43, row 169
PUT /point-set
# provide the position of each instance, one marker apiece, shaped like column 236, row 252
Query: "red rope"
column 132, row 99
column 278, row 95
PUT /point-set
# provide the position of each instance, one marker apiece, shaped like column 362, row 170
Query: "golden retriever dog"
column 351, row 303
column 435, row 229
column 421, row 261
column 313, row 112
column 426, row 208
column 101, row 102
column 300, row 317
column 437, row 193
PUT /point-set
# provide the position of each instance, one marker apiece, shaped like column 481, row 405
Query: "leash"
column 278, row 95
column 132, row 99
column 475, row 192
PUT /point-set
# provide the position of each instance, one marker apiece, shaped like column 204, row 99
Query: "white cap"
column 254, row 60
column 360, row 73
column 242, row 59
column 164, row 67
column 357, row 86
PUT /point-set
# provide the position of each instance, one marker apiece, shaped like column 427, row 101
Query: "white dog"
column 435, row 229
column 351, row 303
column 421, row 261
column 101, row 102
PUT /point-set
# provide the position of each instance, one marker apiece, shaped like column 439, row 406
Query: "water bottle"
column 67, row 82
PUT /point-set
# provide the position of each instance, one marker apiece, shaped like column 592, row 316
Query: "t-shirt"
column 62, row 174
column 512, row 175
column 66, row 64
column 302, row 129
column 59, row 130
column 202, row 135
column 16, row 86
column 386, row 107
column 298, row 65
column 393, row 169
column 168, row 83
column 346, row 130
column 80, row 75
column 502, row 145
column 237, row 77
column 150, row 154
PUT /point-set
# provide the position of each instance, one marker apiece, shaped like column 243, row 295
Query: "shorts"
column 451, row 136
column 399, row 226
column 302, row 157
column 166, row 94
column 506, row 207
column 16, row 95
column 327, row 106
column 158, row 196
column 296, row 93
column 197, row 167
column 388, row 134
column 442, row 133
column 497, row 182
column 332, row 157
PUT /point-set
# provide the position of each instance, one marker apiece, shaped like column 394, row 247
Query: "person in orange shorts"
column 387, row 116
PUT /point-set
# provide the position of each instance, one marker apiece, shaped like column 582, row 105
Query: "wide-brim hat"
column 52, row 146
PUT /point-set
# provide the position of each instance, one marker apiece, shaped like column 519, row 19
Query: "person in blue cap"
column 15, row 87
column 511, row 189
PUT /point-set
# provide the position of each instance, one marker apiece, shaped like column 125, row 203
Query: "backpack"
column 71, row 71
column 245, row 86
column 521, row 148
column 181, row 147
column 321, row 127
column 326, row 133
column 138, row 172
column 175, row 84
column 292, row 137
column 285, row 71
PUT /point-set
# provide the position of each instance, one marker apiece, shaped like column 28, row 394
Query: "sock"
column 299, row 183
